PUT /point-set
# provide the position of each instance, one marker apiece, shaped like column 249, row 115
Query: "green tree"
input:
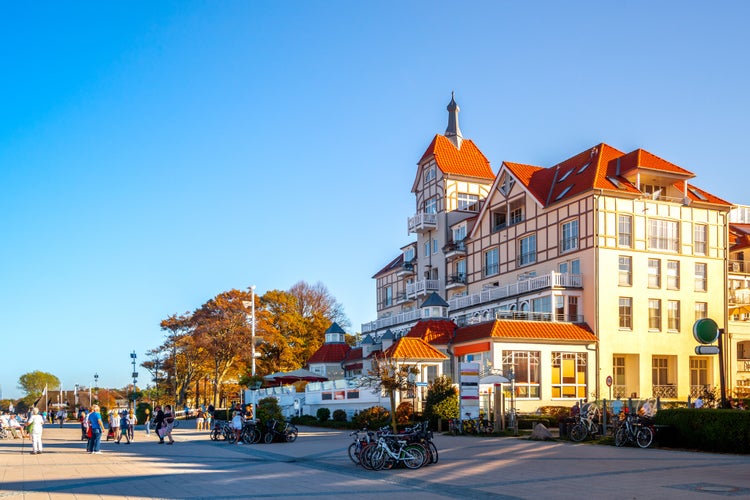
column 33, row 383
column 440, row 400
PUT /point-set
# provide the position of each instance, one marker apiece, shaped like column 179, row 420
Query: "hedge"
column 726, row 431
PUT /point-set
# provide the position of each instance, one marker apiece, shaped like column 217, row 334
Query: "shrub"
column 140, row 412
column 725, row 431
column 268, row 408
column 558, row 412
column 441, row 400
column 339, row 415
column 323, row 414
column 304, row 420
column 373, row 417
column 404, row 412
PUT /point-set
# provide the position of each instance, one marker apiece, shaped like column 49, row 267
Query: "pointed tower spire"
column 453, row 133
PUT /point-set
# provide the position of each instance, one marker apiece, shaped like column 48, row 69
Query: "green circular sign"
column 706, row 331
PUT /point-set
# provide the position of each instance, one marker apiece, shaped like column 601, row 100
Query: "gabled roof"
column 394, row 264
column 468, row 161
column 329, row 353
column 525, row 330
column 600, row 167
column 437, row 332
column 413, row 348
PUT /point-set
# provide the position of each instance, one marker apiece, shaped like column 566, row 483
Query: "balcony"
column 423, row 287
column 454, row 249
column 551, row 280
column 408, row 269
column 739, row 266
column 668, row 391
column 401, row 298
column 456, row 281
column 743, row 365
column 422, row 222
column 390, row 321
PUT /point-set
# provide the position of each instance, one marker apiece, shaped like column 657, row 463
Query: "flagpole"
column 46, row 398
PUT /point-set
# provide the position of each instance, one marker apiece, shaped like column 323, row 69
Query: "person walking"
column 114, row 425
column 131, row 425
column 159, row 423
column 35, row 425
column 97, row 426
column 61, row 414
column 148, row 422
column 169, row 422
column 199, row 420
column 124, row 426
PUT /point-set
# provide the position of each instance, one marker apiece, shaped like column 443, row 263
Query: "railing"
column 698, row 390
column 407, row 268
column 538, row 316
column 457, row 279
column 455, row 246
column 422, row 221
column 739, row 266
column 743, row 365
column 551, row 280
column 665, row 391
column 619, row 391
column 422, row 287
column 739, row 296
column 389, row 321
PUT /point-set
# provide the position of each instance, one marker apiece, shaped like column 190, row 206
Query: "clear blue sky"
column 154, row 154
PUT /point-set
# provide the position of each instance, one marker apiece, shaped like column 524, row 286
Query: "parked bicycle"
column 287, row 431
column 586, row 424
column 390, row 450
column 633, row 430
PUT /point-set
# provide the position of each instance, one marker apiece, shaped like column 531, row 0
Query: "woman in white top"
column 37, row 423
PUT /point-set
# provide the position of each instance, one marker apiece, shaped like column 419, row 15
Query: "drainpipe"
column 597, row 353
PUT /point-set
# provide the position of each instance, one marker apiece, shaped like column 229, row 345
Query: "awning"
column 493, row 379
column 294, row 376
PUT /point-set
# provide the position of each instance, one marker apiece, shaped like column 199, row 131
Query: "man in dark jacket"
column 159, row 422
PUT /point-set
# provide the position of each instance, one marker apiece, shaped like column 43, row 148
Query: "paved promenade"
column 317, row 466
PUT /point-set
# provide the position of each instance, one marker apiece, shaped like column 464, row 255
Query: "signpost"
column 609, row 384
column 706, row 331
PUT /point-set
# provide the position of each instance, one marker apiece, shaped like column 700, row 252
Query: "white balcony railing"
column 664, row 391
column 422, row 287
column 390, row 321
column 422, row 222
column 551, row 280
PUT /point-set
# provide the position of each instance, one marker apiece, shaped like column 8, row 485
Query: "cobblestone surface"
column 317, row 466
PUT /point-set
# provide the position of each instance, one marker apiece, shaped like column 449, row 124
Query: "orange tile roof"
column 525, row 330
column 468, row 161
column 595, row 168
column 413, row 348
column 434, row 331
column 329, row 353
column 739, row 236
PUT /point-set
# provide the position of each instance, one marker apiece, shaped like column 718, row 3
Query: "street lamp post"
column 135, row 376
column 252, row 340
column 96, row 385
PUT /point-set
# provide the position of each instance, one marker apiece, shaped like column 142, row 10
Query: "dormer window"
column 506, row 184
column 459, row 233
column 409, row 254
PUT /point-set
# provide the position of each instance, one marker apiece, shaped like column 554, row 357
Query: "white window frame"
column 663, row 235
column 654, row 315
column 673, row 316
column 569, row 233
column 527, row 250
column 491, row 262
column 700, row 239
column 701, row 277
column 625, row 231
column 625, row 266
column 625, row 313
column 430, row 205
column 468, row 202
column 525, row 389
column 673, row 274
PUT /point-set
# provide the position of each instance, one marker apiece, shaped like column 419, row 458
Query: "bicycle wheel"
column 257, row 435
column 290, row 435
column 413, row 456
column 269, row 438
column 215, row 433
column 644, row 437
column 378, row 458
column 365, row 456
column 578, row 433
column 433, row 452
column 621, row 436
column 354, row 450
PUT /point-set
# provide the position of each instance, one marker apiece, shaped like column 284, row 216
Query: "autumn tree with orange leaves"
column 213, row 342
